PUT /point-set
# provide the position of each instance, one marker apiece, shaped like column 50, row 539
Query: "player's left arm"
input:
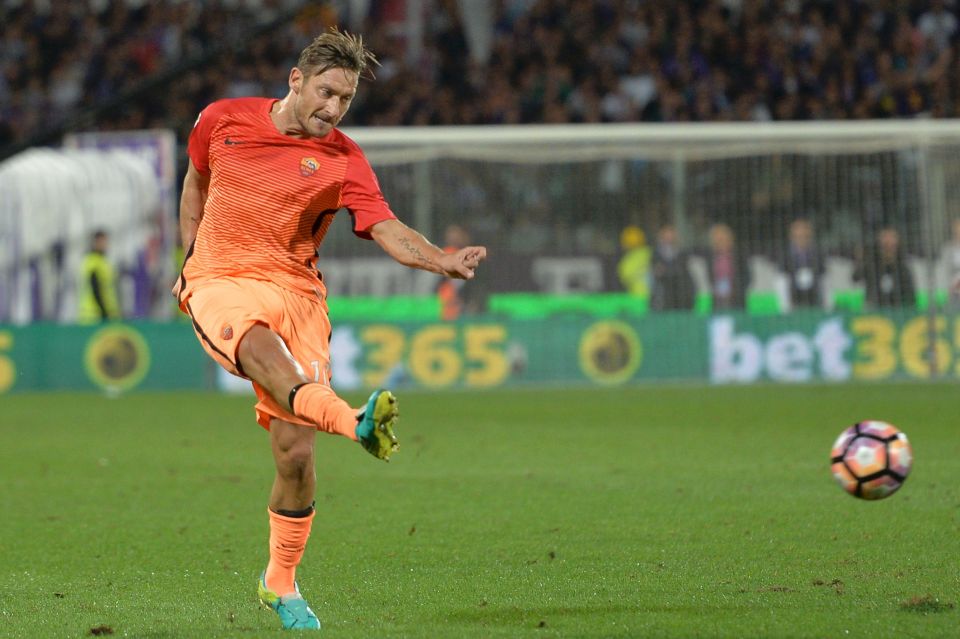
column 410, row 248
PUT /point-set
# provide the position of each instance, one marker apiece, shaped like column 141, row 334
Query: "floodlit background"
column 719, row 232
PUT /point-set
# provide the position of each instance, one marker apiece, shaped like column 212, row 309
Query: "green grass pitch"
column 635, row 512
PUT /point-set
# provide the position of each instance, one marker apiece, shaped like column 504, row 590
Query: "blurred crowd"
column 552, row 61
column 130, row 64
column 701, row 60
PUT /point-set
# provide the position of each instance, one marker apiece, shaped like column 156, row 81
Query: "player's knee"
column 297, row 458
column 297, row 462
column 294, row 451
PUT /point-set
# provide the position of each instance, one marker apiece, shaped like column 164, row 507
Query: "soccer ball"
column 871, row 460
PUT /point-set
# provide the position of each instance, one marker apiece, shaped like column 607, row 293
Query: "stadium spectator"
column 938, row 26
column 803, row 266
column 885, row 272
column 97, row 286
column 673, row 287
column 634, row 265
column 727, row 270
column 456, row 296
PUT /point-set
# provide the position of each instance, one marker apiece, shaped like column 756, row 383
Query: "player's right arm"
column 195, row 186
column 197, row 181
column 192, row 201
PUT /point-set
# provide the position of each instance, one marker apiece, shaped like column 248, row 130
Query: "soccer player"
column 264, row 181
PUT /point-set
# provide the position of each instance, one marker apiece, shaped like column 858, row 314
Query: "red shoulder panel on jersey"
column 198, row 145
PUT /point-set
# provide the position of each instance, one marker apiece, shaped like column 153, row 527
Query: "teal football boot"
column 293, row 611
column 375, row 425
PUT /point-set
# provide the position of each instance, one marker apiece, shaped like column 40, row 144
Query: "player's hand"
column 462, row 264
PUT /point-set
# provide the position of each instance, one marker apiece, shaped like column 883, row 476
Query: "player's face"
column 322, row 99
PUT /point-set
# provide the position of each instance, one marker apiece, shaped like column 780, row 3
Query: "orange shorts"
column 224, row 309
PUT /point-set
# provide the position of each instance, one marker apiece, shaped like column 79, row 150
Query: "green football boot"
column 375, row 425
column 293, row 611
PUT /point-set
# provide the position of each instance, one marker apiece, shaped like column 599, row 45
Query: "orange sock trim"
column 288, row 540
column 319, row 404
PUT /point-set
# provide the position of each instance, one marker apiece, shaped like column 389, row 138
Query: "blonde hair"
column 336, row 49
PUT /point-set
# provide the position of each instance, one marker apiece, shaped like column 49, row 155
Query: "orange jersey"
column 272, row 197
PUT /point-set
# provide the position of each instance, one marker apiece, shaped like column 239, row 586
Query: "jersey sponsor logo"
column 308, row 166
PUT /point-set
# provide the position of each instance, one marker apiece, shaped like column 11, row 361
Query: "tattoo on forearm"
column 417, row 254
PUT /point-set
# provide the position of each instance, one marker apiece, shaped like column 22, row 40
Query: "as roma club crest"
column 227, row 332
column 308, row 166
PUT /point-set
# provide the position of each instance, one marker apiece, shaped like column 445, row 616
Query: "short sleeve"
column 198, row 145
column 361, row 195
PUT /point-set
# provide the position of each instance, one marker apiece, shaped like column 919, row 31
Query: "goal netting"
column 552, row 202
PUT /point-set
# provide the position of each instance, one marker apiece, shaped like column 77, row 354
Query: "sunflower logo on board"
column 610, row 352
column 117, row 358
column 308, row 166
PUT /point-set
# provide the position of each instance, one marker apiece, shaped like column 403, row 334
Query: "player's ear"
column 295, row 80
